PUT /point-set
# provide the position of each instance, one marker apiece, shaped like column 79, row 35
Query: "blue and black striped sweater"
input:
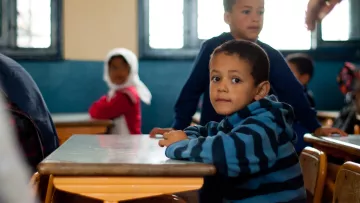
column 252, row 151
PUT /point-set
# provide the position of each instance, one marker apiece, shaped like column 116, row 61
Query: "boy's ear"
column 262, row 90
column 227, row 18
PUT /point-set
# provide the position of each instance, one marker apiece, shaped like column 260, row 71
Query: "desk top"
column 78, row 119
column 349, row 144
column 328, row 114
column 131, row 155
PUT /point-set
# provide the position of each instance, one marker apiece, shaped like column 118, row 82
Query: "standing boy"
column 245, row 18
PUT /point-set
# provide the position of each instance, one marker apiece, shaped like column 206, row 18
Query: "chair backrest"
column 314, row 165
column 347, row 184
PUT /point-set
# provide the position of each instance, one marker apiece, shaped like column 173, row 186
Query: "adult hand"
column 317, row 10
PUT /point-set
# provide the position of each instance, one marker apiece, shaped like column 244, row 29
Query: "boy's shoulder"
column 266, row 110
column 218, row 40
column 271, row 52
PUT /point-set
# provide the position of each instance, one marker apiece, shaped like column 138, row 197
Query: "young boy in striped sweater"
column 251, row 147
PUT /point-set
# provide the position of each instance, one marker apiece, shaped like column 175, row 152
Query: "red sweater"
column 125, row 102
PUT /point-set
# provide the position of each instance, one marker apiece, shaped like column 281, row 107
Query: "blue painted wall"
column 71, row 86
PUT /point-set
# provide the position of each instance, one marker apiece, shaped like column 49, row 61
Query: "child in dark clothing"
column 349, row 82
column 303, row 68
column 245, row 18
column 251, row 147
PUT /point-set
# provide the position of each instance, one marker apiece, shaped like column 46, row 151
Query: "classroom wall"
column 90, row 31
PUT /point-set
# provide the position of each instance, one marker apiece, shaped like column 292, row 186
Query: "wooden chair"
column 314, row 165
column 34, row 182
column 347, row 185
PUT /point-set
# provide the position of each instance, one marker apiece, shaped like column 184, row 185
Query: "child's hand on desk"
column 172, row 137
column 161, row 131
column 324, row 131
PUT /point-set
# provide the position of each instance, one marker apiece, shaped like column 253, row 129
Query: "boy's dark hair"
column 303, row 62
column 228, row 4
column 250, row 52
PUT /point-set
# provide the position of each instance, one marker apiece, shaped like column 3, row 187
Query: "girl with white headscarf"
column 126, row 90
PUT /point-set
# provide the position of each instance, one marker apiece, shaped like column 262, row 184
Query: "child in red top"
column 122, row 103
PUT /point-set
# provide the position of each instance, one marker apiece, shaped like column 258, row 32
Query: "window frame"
column 145, row 51
column 54, row 52
column 320, row 49
column 4, row 23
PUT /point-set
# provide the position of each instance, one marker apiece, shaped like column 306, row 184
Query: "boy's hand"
column 322, row 131
column 161, row 131
column 172, row 137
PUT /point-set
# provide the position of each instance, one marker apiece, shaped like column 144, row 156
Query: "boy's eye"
column 246, row 11
column 261, row 12
column 235, row 80
column 215, row 79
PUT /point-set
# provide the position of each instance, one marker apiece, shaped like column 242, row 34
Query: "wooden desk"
column 343, row 148
column 327, row 118
column 78, row 123
column 327, row 114
column 347, row 148
column 115, row 168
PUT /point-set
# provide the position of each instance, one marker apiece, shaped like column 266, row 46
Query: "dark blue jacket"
column 22, row 90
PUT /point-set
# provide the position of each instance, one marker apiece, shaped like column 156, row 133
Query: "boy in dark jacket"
column 245, row 18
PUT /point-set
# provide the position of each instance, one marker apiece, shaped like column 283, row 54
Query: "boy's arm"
column 196, row 131
column 246, row 151
column 289, row 90
column 187, row 102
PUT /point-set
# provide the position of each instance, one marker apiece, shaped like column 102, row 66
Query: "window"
column 31, row 29
column 336, row 26
column 178, row 30
column 338, row 36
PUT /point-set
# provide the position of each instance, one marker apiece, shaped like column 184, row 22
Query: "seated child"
column 122, row 103
column 303, row 68
column 349, row 82
column 251, row 147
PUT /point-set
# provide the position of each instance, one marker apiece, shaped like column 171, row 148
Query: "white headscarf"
column 133, row 79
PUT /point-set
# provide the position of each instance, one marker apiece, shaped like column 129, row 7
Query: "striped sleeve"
column 203, row 131
column 248, row 150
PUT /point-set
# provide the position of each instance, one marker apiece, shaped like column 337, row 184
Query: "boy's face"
column 118, row 70
column 303, row 79
column 246, row 18
column 232, row 87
